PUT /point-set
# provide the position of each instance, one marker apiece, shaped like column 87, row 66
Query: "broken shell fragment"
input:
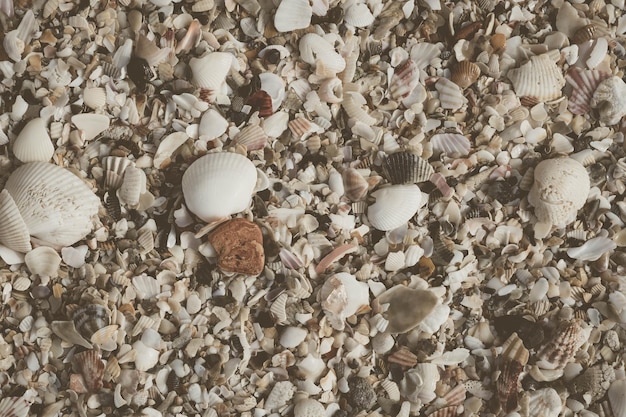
column 610, row 100
column 341, row 297
column 407, row 307
column 539, row 78
column 33, row 143
column 239, row 246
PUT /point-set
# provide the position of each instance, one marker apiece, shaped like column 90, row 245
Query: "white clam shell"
column 273, row 85
column 450, row 94
column 94, row 97
column 358, row 15
column 133, row 186
column 114, row 167
column 91, row 124
column 212, row 125
column 57, row 207
column 210, row 71
column 43, row 261
column 33, row 143
column 617, row 399
column 544, row 402
column 218, row 185
column 394, row 206
column 13, row 231
column 293, row 15
column 539, row 78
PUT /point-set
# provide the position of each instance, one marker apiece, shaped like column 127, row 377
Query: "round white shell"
column 293, row 15
column 218, row 185
column 540, row 78
column 394, row 206
column 57, row 207
column 43, row 261
column 33, row 143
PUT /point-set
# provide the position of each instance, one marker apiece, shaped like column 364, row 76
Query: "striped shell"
column 452, row 144
column 563, row 347
column 394, row 206
column 91, row 318
column 33, row 143
column 404, row 80
column 13, row 231
column 406, row 168
column 584, row 83
column 14, row 407
column 465, row 74
column 540, row 79
column 544, row 402
column 91, row 368
column 253, row 137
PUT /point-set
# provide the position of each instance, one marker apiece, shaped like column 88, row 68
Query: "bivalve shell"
column 14, row 407
column 13, row 231
column 617, row 399
column 43, row 261
column 404, row 80
column 292, row 15
column 406, row 168
column 114, row 167
column 210, row 71
column 91, row 368
column 544, row 402
column 540, row 78
column 452, row 144
column 33, row 143
column 584, row 83
column 212, row 125
column 465, row 74
column 94, row 97
column 91, row 318
column 450, row 94
column 218, row 185
column 253, row 137
column 394, row 206
column 358, row 15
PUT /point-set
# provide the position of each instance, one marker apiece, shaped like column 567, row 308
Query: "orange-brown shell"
column 465, row 74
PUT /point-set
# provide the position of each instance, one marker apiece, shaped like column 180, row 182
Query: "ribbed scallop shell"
column 14, row 407
column 43, row 261
column 353, row 103
column 114, row 167
column 292, row 15
column 584, row 83
column 13, row 231
column 406, row 168
column 539, row 78
column 450, row 94
column 218, row 185
column 91, row 368
column 404, row 80
column 253, row 137
column 617, row 399
column 57, row 207
column 423, row 53
column 563, row 347
column 465, row 73
column 91, row 318
column 210, row 71
column 452, row 144
column 94, row 97
column 394, row 206
column 451, row 411
column 358, row 15
column 33, row 143
column 146, row 287
column 212, row 125
column 544, row 402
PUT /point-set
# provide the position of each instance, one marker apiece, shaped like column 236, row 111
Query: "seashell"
column 43, row 261
column 354, row 185
column 133, row 186
column 278, row 308
column 293, row 15
column 406, row 168
column 559, row 190
column 544, row 402
column 33, row 143
column 342, row 296
column 419, row 383
column 394, row 206
column 450, row 94
column 358, row 15
column 114, row 167
column 403, row 357
column 559, row 351
column 598, row 53
column 279, row 396
column 451, row 411
column 91, row 368
column 309, row 407
column 452, row 144
column 56, row 206
column 594, row 381
column 146, row 287
column 210, row 71
column 168, row 146
column 404, row 80
column 94, row 97
column 89, row 319
column 317, row 51
column 212, row 125
column 13, row 231
column 584, row 83
column 253, row 137
column 331, row 91
column 539, row 78
column 392, row 390
column 610, row 100
column 513, row 359
column 67, row 332
column 498, row 41
column 14, row 407
column 91, row 124
column 465, row 73
column 592, row 249
column 617, row 399
column 147, row 358
column 424, row 53
column 273, row 85
column 105, row 337
column 239, row 246
column 407, row 307
column 262, row 101
column 353, row 103
column 226, row 180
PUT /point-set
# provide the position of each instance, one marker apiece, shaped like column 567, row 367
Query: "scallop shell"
column 253, row 137
column 210, row 71
column 450, row 94
column 452, row 144
column 91, row 318
column 544, row 402
column 354, row 185
column 14, row 407
column 539, row 78
column 465, row 73
column 617, row 399
column 407, row 307
column 91, row 124
column 146, row 287
column 424, row 53
column 584, row 83
column 56, row 206
column 293, row 15
column 317, row 51
column 563, row 347
column 33, row 143
column 91, row 368
column 212, row 125
column 94, row 97
column 404, row 80
column 114, row 167
column 43, row 261
column 610, row 100
column 13, row 231
column 358, row 15
column 406, row 168
column 218, row 185
column 394, row 206
column 133, row 186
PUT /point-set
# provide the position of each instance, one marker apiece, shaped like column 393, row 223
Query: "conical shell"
column 465, row 74
column 394, row 206
column 584, row 83
column 210, row 71
column 33, row 143
column 13, row 231
column 43, row 261
column 404, row 80
column 57, row 207
column 14, row 407
column 293, row 15
column 406, row 168
column 539, row 78
column 218, row 185
column 91, row 368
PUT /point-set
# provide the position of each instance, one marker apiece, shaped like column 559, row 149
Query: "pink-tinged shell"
column 404, row 80
column 300, row 127
column 451, row 411
column 584, row 83
column 540, row 78
column 452, row 144
column 563, row 347
column 354, row 185
column 253, row 137
column 442, row 185
column 333, row 256
column 91, row 368
column 114, row 167
column 13, row 231
column 14, row 407
column 545, row 402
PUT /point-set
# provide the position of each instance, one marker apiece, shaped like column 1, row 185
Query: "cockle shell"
column 56, row 206
column 404, row 80
column 133, row 186
column 210, row 71
column 357, row 14
column 292, row 15
column 253, row 137
column 450, row 94
column 14, row 407
column 43, row 261
column 407, row 307
column 13, row 231
column 91, row 318
column 544, row 402
column 610, row 100
column 94, row 97
column 212, row 125
column 465, row 74
column 218, row 185
column 114, row 167
column 33, row 143
column 539, row 78
column 559, row 190
column 394, row 206
column 406, row 168
column 91, row 368
column 584, row 83
column 557, row 353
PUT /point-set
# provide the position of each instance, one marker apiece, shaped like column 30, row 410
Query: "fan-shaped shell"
column 33, row 143
column 218, row 185
column 584, row 83
column 450, row 94
column 358, row 15
column 253, row 137
column 404, row 80
column 91, row 368
column 94, row 97
column 210, row 71
column 91, row 318
column 406, row 168
column 293, row 15
column 394, row 206
column 465, row 74
column 539, row 78
column 452, row 144
column 43, row 261
column 14, row 407
column 133, row 186
column 57, row 207
column 544, row 402
column 617, row 399
column 13, row 231
column 114, row 167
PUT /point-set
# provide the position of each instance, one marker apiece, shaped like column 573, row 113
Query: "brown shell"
column 585, row 33
column 513, row 349
column 403, row 357
column 465, row 74
column 445, row 412
column 261, row 101
column 355, row 186
column 239, row 246
column 562, row 348
column 91, row 368
column 498, row 41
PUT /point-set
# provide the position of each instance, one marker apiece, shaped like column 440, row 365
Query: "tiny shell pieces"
column 539, row 78
column 239, row 245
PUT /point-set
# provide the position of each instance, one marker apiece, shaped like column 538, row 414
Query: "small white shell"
column 358, row 15
column 133, row 186
column 353, row 103
column 341, row 296
column 592, row 249
column 281, row 394
column 167, row 147
column 114, row 167
column 292, row 15
column 450, row 94
column 253, row 137
column 94, row 97
column 309, row 407
column 539, row 78
column 13, row 231
column 218, row 185
column 43, row 261
column 212, row 125
column 91, row 124
column 423, row 53
column 33, row 143
column 544, row 402
column 394, row 206
column 146, row 287
column 210, row 71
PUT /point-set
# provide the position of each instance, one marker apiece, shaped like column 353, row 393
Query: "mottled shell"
column 563, row 346
column 209, row 72
column 89, row 319
column 584, row 83
column 540, row 78
column 406, row 168
column 404, row 80
column 91, row 368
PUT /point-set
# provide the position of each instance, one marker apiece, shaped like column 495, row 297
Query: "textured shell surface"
column 309, row 407
column 133, row 186
column 406, row 168
column 617, row 399
column 91, row 124
column 315, row 50
column 13, row 230
column 584, row 83
column 610, row 100
column 452, row 144
column 559, row 351
column 253, row 137
column 91, row 318
column 33, row 143
column 212, row 125
column 91, row 368
column 14, row 407
column 539, row 78
column 210, row 71
column 43, row 261
column 559, row 190
column 57, row 207
column 218, row 185
column 281, row 394
column 394, row 206
column 407, row 307
column 465, row 74
column 293, row 15
column 404, row 80
column 94, row 97
column 450, row 94
column 544, row 402
column 358, row 15
column 114, row 167
column 419, row 383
